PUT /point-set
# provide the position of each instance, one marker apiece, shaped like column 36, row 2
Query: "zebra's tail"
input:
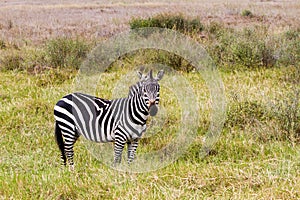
column 60, row 143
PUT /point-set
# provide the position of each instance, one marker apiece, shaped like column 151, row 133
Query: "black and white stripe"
column 120, row 120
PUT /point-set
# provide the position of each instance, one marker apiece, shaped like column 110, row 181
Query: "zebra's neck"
column 138, row 108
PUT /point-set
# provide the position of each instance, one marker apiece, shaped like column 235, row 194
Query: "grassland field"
column 257, row 155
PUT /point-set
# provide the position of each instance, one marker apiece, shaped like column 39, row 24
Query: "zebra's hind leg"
column 60, row 143
column 69, row 144
column 132, row 146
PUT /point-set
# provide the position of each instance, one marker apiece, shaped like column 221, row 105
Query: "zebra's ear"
column 140, row 74
column 160, row 74
column 150, row 74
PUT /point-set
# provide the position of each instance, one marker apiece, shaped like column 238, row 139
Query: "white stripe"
column 82, row 119
column 67, row 131
column 64, row 111
column 90, row 114
column 64, row 121
column 79, row 115
column 97, row 130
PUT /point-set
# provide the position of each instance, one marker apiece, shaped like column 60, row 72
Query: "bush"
column 246, row 49
column 61, row 52
column 65, row 52
column 247, row 13
column 176, row 22
column 240, row 114
column 287, row 108
column 216, row 28
column 23, row 59
column 232, row 49
column 289, row 48
column 287, row 113
column 292, row 34
column 152, row 56
column 2, row 44
column 12, row 61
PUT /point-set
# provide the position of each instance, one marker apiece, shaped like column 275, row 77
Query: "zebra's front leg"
column 118, row 149
column 132, row 146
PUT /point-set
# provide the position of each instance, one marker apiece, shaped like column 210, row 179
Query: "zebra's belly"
column 96, row 136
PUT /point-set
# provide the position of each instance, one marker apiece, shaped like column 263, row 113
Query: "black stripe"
column 63, row 116
column 135, row 113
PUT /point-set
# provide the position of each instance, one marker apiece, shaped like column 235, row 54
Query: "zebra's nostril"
column 151, row 102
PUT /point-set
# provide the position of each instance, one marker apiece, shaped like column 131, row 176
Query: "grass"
column 246, row 163
column 256, row 156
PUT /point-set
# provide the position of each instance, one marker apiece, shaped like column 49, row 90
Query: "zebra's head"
column 149, row 90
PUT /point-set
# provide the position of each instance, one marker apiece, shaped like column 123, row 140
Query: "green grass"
column 248, row 161
column 256, row 156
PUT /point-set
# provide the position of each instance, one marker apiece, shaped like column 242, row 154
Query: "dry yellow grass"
column 37, row 21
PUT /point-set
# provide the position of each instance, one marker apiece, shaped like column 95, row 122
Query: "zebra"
column 122, row 121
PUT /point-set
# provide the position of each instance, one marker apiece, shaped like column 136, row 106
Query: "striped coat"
column 120, row 120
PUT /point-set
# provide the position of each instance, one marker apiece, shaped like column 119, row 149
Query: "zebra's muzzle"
column 153, row 109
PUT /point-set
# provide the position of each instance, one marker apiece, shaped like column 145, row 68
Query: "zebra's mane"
column 134, row 89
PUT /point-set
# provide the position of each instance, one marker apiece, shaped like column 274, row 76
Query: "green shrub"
column 247, row 13
column 23, row 59
column 35, row 60
column 12, row 61
column 289, row 48
column 233, row 49
column 287, row 107
column 216, row 28
column 2, row 44
column 240, row 114
column 153, row 56
column 292, row 34
column 66, row 52
column 246, row 49
column 177, row 22
column 287, row 112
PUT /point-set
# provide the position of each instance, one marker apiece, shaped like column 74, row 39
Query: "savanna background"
column 256, row 47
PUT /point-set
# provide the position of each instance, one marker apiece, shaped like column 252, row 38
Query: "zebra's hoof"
column 71, row 168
